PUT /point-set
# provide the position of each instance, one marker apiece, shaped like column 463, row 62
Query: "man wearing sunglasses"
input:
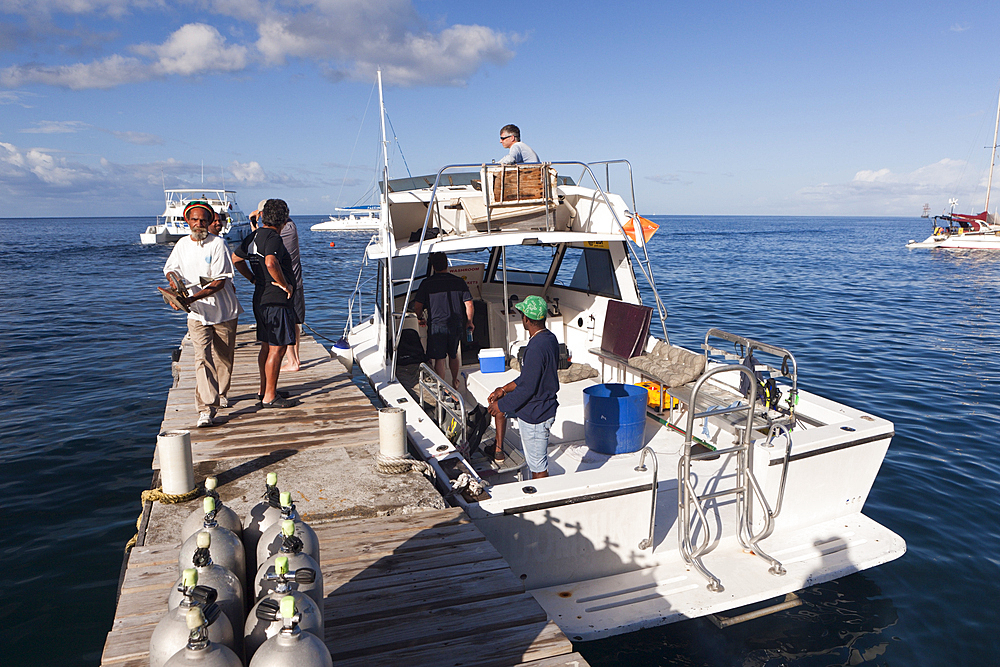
column 520, row 152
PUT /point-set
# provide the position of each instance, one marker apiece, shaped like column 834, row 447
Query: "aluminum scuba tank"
column 229, row 591
column 227, row 550
column 270, row 539
column 258, row 629
column 291, row 548
column 224, row 516
column 260, row 518
column 291, row 647
column 171, row 633
column 200, row 650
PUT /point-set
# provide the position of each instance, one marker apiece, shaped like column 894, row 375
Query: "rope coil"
column 157, row 494
column 397, row 465
column 465, row 482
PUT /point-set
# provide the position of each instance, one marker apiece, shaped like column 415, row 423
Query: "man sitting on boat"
column 449, row 313
column 531, row 397
column 202, row 261
column 520, row 152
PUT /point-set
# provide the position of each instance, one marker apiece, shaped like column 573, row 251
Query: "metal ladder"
column 692, row 508
column 449, row 407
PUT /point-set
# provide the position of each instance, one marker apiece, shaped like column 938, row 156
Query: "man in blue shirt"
column 519, row 152
column 531, row 397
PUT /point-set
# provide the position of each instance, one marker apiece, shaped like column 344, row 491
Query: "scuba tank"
column 260, row 518
column 258, row 629
column 270, row 539
column 224, row 516
column 171, row 633
column 291, row 548
column 200, row 650
column 227, row 550
column 230, row 592
column 291, row 647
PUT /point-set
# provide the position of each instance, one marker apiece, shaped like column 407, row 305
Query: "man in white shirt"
column 203, row 262
column 519, row 152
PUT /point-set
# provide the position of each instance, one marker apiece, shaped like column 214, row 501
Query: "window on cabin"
column 588, row 270
column 526, row 265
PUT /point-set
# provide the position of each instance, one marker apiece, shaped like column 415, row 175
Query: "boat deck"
column 407, row 580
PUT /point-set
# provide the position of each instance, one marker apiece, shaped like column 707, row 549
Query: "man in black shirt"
column 449, row 305
column 274, row 282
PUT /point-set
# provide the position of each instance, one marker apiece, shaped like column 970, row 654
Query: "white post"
column 392, row 432
column 176, row 467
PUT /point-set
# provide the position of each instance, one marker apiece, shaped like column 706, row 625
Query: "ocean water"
column 909, row 335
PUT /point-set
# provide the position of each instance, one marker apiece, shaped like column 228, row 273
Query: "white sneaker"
column 223, row 402
column 205, row 419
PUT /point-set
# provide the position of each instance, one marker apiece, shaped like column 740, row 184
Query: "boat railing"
column 647, row 543
column 643, row 262
column 742, row 346
column 746, row 489
column 358, row 291
column 449, row 405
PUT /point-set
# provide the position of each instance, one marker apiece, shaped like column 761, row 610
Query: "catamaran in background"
column 350, row 219
column 170, row 226
column 958, row 230
column 763, row 482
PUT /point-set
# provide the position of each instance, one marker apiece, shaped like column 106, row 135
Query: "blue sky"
column 767, row 108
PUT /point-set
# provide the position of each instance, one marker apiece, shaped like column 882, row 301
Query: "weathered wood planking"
column 333, row 412
column 416, row 589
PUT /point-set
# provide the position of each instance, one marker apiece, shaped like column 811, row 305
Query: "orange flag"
column 648, row 228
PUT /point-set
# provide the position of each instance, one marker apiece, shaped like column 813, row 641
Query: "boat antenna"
column 993, row 159
column 386, row 232
column 395, row 140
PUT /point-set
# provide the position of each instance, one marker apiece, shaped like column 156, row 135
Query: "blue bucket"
column 614, row 417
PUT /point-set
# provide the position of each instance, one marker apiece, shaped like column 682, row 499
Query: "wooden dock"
column 408, row 581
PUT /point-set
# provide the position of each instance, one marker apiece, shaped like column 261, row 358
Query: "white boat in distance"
column 756, row 500
column 970, row 232
column 350, row 219
column 170, row 226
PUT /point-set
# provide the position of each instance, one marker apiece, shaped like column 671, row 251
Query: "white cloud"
column 958, row 27
column 56, row 127
column 35, row 8
column 195, row 48
column 17, row 97
column 884, row 192
column 137, row 138
column 250, row 173
column 107, row 73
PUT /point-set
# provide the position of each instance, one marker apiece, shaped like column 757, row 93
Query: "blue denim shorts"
column 535, row 443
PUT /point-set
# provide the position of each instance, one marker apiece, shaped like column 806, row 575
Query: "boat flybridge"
column 728, row 500
column 171, row 226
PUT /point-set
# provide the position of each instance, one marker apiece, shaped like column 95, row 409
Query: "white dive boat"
column 754, row 501
column 958, row 230
column 170, row 226
column 350, row 219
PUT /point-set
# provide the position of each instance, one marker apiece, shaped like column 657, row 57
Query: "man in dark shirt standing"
column 274, row 284
column 532, row 395
column 449, row 305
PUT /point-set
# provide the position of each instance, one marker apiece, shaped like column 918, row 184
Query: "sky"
column 721, row 108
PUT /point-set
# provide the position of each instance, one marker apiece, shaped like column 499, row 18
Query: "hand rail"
column 648, row 542
column 437, row 391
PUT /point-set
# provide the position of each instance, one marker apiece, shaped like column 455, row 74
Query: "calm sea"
column 909, row 335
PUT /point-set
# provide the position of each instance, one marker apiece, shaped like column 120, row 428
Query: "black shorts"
column 442, row 342
column 275, row 325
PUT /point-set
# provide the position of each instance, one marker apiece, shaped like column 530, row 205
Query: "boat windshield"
column 584, row 269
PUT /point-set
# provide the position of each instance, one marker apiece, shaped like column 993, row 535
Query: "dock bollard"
column 176, row 468
column 392, row 432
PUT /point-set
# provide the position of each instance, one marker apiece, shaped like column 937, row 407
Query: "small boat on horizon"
column 170, row 226
column 350, row 219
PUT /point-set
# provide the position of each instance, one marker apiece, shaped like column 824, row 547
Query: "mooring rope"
column 397, row 465
column 466, row 481
column 157, row 494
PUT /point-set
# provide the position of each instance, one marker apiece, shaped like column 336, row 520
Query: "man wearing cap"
column 203, row 262
column 531, row 397
column 274, row 284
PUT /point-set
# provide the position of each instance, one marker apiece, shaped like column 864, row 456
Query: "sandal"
column 279, row 392
column 280, row 402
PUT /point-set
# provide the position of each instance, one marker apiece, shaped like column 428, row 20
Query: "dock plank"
column 416, row 588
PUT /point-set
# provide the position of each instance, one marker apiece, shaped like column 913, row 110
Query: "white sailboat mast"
column 993, row 159
column 386, row 232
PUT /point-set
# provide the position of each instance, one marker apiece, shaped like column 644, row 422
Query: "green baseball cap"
column 533, row 307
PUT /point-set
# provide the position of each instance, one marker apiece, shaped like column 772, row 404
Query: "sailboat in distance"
column 958, row 230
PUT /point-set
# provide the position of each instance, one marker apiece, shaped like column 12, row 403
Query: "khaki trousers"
column 214, row 349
